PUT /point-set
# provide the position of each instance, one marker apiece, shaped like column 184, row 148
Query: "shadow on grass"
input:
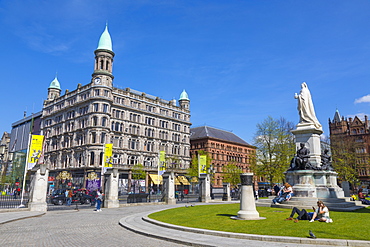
column 226, row 215
column 362, row 210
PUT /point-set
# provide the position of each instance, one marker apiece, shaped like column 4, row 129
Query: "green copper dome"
column 55, row 84
column 184, row 95
column 105, row 42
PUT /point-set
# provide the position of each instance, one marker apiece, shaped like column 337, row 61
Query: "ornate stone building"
column 79, row 123
column 224, row 147
column 355, row 135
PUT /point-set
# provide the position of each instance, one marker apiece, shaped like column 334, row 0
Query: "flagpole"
column 25, row 169
column 159, row 165
column 102, row 178
column 198, row 165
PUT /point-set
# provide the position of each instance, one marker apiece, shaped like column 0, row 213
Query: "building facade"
column 78, row 124
column 224, row 147
column 353, row 134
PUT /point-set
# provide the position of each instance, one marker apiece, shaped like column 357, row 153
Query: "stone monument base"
column 314, row 184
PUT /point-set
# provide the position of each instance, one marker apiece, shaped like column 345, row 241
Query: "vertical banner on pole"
column 107, row 159
column 162, row 162
column 35, row 150
column 108, row 152
column 202, row 164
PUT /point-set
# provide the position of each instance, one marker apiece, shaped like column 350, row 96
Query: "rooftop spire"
column 55, row 83
column 105, row 41
column 184, row 95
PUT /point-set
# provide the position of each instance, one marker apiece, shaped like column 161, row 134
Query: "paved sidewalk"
column 6, row 217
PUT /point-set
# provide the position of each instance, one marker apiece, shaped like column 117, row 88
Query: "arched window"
column 95, row 121
column 101, row 158
column 92, row 158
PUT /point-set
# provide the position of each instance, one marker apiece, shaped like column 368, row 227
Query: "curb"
column 124, row 222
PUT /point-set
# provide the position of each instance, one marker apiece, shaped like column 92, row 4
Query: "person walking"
column 69, row 196
column 99, row 199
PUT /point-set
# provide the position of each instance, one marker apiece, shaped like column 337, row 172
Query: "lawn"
column 347, row 225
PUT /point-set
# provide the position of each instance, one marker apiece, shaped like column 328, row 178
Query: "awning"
column 183, row 180
column 159, row 180
column 155, row 179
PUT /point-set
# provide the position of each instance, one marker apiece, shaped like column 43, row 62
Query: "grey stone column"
column 205, row 188
column 111, row 189
column 169, row 188
column 226, row 196
column 39, row 186
column 248, row 209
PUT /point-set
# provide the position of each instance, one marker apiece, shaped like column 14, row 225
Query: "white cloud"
column 363, row 99
column 359, row 115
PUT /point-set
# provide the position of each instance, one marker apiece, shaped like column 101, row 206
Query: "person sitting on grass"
column 284, row 194
column 302, row 215
column 362, row 197
column 322, row 213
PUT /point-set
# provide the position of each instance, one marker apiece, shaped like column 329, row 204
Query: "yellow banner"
column 203, row 164
column 35, row 150
column 108, row 152
column 162, row 162
column 162, row 156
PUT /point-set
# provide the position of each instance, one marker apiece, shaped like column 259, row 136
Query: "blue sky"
column 239, row 61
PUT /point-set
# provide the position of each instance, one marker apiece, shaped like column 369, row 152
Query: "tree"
column 193, row 169
column 138, row 172
column 173, row 163
column 231, row 173
column 275, row 148
column 346, row 159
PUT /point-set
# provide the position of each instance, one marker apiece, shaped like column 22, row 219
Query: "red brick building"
column 356, row 133
column 224, row 147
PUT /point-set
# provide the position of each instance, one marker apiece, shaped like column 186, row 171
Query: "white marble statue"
column 305, row 107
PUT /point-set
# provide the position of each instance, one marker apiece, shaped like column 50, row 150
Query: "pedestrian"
column 276, row 189
column 321, row 213
column 99, row 199
column 15, row 192
column 68, row 195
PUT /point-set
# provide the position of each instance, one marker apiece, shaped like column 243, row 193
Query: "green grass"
column 347, row 225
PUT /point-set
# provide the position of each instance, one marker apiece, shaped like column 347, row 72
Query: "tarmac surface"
column 127, row 226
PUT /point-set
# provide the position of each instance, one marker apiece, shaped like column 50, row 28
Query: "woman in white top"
column 322, row 213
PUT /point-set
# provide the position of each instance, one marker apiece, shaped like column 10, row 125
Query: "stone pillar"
column 248, row 209
column 169, row 188
column 111, row 189
column 205, row 188
column 226, row 196
column 39, row 186
column 347, row 191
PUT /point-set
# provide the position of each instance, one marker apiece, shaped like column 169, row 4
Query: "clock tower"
column 103, row 61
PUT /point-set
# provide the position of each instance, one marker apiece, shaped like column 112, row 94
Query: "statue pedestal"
column 313, row 183
column 310, row 136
